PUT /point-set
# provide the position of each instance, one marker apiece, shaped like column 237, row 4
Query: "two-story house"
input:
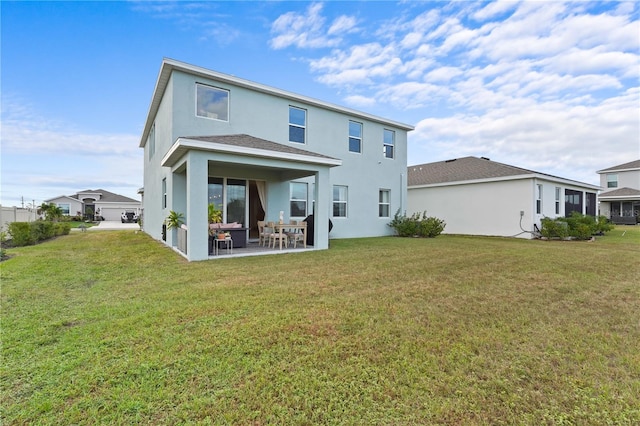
column 620, row 200
column 255, row 151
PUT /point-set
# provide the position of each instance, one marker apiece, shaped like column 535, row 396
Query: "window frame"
column 339, row 202
column 389, row 148
column 382, row 203
column 558, row 192
column 228, row 97
column 538, row 198
column 297, row 125
column 355, row 138
column 298, row 200
column 612, row 180
column 164, row 193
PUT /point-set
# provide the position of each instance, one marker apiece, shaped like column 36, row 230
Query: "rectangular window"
column 612, row 180
column 339, row 201
column 152, row 141
column 212, row 102
column 297, row 124
column 164, row 193
column 355, row 136
column 388, row 143
column 384, row 204
column 64, row 208
column 216, row 192
column 557, row 200
column 539, row 199
column 298, row 199
column 236, row 200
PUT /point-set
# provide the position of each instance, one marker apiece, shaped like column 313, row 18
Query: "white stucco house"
column 477, row 196
column 255, row 151
column 95, row 203
column 620, row 200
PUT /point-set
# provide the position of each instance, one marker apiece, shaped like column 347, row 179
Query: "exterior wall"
column 75, row 206
column 628, row 179
column 153, row 212
column 267, row 116
column 493, row 207
column 490, row 208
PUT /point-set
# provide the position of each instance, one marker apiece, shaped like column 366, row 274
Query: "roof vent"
column 486, row 158
column 451, row 161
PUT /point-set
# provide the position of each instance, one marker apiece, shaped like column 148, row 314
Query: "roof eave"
column 182, row 145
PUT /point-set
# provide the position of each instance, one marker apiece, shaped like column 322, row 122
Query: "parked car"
column 129, row 216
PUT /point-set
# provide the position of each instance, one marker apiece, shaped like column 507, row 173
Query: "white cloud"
column 308, row 30
column 43, row 159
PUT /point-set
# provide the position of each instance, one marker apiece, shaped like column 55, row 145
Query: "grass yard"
column 115, row 328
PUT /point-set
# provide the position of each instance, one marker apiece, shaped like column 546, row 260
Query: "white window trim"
column 345, row 202
column 304, row 127
column 388, row 204
column 392, row 145
column 360, row 138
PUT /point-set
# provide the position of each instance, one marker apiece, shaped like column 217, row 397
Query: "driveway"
column 113, row 225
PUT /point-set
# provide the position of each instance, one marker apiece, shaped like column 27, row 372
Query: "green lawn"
column 115, row 328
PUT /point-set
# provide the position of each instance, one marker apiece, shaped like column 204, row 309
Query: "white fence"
column 15, row 214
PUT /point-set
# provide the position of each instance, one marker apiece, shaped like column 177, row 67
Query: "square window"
column 212, row 102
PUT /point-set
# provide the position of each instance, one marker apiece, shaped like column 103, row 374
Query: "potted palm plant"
column 174, row 220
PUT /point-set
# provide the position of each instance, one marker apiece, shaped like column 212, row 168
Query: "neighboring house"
column 620, row 200
column 255, row 151
column 98, row 204
column 477, row 196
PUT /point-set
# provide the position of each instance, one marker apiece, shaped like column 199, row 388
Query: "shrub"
column 21, row 234
column 431, row 227
column 553, row 228
column 29, row 233
column 417, row 225
column 578, row 226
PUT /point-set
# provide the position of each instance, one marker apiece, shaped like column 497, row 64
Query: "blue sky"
column 546, row 85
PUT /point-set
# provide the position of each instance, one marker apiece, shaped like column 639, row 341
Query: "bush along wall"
column 577, row 227
column 29, row 233
column 417, row 225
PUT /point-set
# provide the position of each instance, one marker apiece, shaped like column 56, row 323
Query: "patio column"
column 196, row 217
column 322, row 209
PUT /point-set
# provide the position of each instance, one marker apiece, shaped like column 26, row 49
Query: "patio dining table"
column 280, row 227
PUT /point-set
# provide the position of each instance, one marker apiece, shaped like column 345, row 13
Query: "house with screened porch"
column 257, row 152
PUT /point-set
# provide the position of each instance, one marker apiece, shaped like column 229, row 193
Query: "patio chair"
column 263, row 233
column 275, row 236
column 294, row 235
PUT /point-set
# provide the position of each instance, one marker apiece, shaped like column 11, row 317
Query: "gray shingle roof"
column 106, row 196
column 247, row 141
column 630, row 165
column 461, row 169
column 621, row 192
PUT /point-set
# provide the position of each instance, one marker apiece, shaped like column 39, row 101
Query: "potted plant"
column 174, row 220
column 214, row 215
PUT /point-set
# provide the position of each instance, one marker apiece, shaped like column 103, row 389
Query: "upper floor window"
column 298, row 199
column 612, row 180
column 388, row 143
column 297, row 124
column 339, row 201
column 212, row 102
column 355, row 136
column 384, row 203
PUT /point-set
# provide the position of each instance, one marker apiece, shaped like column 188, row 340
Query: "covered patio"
column 204, row 167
